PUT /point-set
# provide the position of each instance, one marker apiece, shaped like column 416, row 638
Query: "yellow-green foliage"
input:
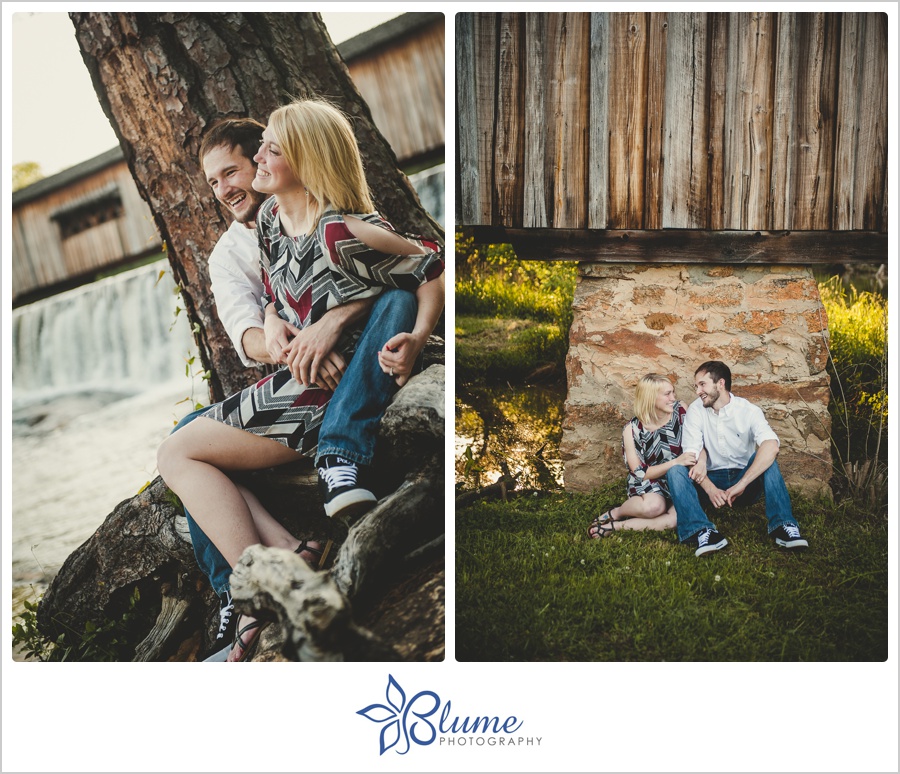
column 492, row 282
column 857, row 324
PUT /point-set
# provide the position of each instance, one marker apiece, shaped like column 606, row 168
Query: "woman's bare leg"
column 193, row 463
column 647, row 506
column 272, row 532
column 667, row 520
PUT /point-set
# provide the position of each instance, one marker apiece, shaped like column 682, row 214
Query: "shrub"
column 857, row 324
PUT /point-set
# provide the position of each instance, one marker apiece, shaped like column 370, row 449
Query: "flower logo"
column 395, row 715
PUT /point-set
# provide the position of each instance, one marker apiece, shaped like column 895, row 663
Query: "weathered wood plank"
column 627, row 111
column 784, row 147
column 568, row 63
column 847, row 132
column 485, row 95
column 718, row 72
column 598, row 139
column 748, row 133
column 468, row 205
column 657, row 47
column 685, row 180
column 816, row 88
column 509, row 150
column 690, row 245
column 871, row 155
column 733, row 126
column 538, row 189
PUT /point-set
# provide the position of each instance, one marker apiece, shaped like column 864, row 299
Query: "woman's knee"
column 654, row 505
column 171, row 457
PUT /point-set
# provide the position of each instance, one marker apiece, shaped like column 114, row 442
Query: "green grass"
column 531, row 586
column 500, row 348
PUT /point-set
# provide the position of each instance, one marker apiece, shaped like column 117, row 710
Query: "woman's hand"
column 698, row 472
column 397, row 357
column 278, row 335
column 688, row 459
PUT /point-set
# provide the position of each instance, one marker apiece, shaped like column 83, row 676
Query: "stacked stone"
column 766, row 322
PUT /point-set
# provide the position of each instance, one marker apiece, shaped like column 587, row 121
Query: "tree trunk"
column 162, row 79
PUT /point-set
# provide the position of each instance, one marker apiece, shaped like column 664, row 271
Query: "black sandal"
column 603, row 526
column 255, row 626
column 321, row 553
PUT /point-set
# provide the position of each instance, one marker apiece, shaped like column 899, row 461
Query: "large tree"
column 162, row 79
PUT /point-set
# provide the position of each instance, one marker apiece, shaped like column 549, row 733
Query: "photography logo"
column 425, row 720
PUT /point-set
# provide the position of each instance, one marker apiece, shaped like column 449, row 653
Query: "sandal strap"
column 321, row 554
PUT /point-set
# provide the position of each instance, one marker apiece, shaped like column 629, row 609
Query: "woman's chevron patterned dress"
column 306, row 276
column 654, row 447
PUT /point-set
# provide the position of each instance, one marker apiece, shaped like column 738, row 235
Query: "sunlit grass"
column 532, row 586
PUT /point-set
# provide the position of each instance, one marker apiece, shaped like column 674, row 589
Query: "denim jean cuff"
column 359, row 459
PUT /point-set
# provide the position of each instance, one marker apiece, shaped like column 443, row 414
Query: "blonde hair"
column 319, row 146
column 645, row 395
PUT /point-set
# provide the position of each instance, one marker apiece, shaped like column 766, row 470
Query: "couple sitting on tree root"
column 311, row 279
column 719, row 451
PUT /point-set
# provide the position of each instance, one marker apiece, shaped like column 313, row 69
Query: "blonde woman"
column 321, row 245
column 651, row 444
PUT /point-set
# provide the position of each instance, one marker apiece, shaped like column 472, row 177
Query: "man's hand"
column 328, row 369
column 398, row 356
column 311, row 353
column 732, row 493
column 278, row 335
column 698, row 472
column 716, row 496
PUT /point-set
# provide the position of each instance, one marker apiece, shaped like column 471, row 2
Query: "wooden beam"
column 688, row 245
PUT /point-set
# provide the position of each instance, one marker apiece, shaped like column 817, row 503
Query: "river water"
column 99, row 379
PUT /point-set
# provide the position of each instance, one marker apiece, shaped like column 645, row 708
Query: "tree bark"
column 162, row 79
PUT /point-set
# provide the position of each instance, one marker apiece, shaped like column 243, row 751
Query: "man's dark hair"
column 245, row 133
column 716, row 370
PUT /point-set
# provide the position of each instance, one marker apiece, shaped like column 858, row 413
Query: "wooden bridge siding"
column 37, row 252
column 860, row 152
column 509, row 147
column 686, row 136
column 538, row 196
column 708, row 121
column 404, row 87
column 43, row 258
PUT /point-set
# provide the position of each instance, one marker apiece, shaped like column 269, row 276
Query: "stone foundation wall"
column 766, row 322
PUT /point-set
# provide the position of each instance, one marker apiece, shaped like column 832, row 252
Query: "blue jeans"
column 690, row 499
column 350, row 426
column 209, row 559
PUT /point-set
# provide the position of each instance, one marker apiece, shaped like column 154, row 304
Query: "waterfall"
column 119, row 334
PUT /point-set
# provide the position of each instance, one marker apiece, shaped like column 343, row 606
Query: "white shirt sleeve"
column 759, row 426
column 237, row 286
column 692, row 432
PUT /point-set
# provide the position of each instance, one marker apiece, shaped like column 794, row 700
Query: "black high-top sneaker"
column 227, row 623
column 344, row 496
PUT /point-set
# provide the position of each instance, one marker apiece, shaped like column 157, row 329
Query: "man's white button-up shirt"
column 730, row 436
column 234, row 273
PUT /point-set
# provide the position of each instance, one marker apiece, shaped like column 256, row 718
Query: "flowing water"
column 98, row 376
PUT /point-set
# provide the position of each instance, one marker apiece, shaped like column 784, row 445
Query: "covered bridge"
column 696, row 165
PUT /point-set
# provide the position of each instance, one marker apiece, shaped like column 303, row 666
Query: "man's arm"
column 254, row 343
column 765, row 456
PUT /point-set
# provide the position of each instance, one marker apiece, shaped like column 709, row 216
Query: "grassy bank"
column 531, row 586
